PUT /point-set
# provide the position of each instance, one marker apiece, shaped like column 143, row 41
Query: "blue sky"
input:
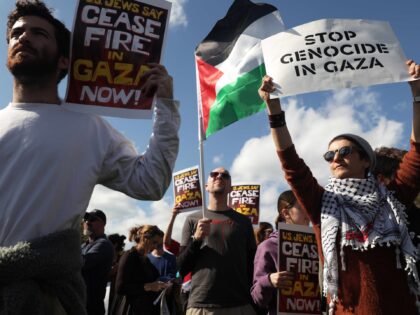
column 382, row 113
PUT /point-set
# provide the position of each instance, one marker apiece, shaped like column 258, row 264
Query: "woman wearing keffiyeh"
column 368, row 256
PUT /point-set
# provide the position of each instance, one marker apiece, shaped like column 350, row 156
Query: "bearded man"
column 51, row 160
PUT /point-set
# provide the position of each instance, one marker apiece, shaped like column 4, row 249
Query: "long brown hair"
column 286, row 199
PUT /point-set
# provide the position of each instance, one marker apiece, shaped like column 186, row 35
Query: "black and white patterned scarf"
column 365, row 214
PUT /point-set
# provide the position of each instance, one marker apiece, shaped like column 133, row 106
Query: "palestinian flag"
column 230, row 64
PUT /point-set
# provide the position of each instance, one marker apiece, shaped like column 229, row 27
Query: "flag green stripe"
column 236, row 100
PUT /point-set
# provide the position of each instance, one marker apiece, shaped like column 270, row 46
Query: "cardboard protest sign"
column 298, row 253
column 333, row 53
column 245, row 199
column 187, row 189
column 112, row 43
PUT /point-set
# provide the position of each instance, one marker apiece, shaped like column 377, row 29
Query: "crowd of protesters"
column 365, row 219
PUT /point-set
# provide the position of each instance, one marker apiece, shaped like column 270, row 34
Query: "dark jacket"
column 97, row 261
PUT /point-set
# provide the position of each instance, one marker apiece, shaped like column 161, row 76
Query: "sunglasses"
column 342, row 152
column 223, row 175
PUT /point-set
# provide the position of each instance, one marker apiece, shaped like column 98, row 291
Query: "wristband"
column 277, row 120
column 416, row 99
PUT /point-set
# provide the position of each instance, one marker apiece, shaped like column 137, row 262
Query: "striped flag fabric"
column 230, row 66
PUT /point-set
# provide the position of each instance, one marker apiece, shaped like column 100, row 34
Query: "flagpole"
column 201, row 139
column 202, row 184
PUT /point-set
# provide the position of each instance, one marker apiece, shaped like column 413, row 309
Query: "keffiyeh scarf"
column 365, row 214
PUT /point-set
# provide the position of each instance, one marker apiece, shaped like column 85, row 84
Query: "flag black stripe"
column 218, row 44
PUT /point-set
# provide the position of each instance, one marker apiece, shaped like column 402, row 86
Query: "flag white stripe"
column 247, row 54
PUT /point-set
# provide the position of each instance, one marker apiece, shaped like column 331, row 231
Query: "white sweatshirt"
column 52, row 158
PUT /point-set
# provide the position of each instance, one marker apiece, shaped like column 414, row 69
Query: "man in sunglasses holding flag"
column 368, row 257
column 219, row 250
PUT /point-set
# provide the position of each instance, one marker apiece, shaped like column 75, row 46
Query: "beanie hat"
column 363, row 144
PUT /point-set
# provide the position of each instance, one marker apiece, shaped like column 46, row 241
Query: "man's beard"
column 87, row 231
column 32, row 71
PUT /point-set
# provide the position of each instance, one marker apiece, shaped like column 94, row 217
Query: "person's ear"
column 63, row 62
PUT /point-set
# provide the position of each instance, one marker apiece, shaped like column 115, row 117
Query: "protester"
column 219, row 250
column 263, row 232
column 268, row 278
column 51, row 160
column 173, row 246
column 117, row 241
column 137, row 278
column 387, row 164
column 369, row 259
column 164, row 262
column 97, row 257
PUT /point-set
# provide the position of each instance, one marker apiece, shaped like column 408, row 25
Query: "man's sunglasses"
column 342, row 152
column 223, row 175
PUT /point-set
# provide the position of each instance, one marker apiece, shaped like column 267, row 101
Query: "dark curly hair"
column 38, row 8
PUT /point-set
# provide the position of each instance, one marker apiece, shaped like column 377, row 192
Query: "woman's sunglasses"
column 342, row 152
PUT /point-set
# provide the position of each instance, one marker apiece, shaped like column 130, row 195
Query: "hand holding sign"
column 157, row 80
column 203, row 229
column 267, row 87
column 414, row 72
column 282, row 279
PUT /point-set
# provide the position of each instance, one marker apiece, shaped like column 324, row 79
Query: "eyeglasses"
column 223, row 175
column 342, row 152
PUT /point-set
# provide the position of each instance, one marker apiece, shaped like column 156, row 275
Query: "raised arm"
column 167, row 238
column 407, row 179
column 280, row 134
column 297, row 173
column 414, row 71
column 146, row 176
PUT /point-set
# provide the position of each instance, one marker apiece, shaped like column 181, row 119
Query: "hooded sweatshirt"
column 265, row 262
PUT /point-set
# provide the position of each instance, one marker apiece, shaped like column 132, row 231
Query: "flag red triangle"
column 208, row 77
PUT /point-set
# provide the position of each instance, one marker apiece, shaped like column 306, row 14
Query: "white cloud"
column 218, row 159
column 257, row 161
column 123, row 212
column 178, row 15
column 351, row 111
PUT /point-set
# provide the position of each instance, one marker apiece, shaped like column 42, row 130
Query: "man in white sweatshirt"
column 52, row 158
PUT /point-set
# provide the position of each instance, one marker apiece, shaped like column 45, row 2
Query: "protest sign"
column 333, row 53
column 187, row 190
column 298, row 253
column 112, row 43
column 245, row 199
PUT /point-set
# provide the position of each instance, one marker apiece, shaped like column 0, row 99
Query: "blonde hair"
column 140, row 233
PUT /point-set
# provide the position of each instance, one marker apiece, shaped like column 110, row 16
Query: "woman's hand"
column 266, row 88
column 282, row 279
column 155, row 286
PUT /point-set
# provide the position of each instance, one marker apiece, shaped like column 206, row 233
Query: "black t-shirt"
column 221, row 265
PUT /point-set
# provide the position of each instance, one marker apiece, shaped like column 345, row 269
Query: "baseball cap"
column 95, row 214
